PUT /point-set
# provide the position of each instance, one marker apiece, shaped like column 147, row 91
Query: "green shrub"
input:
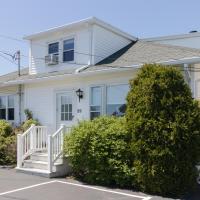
column 164, row 121
column 27, row 124
column 5, row 128
column 28, row 113
column 8, row 153
column 99, row 151
column 7, row 144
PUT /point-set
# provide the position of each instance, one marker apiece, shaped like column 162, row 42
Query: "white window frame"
column 10, row 107
column 60, row 49
column 65, row 39
column 6, row 96
column 53, row 42
column 106, row 89
column 102, row 108
column 104, row 96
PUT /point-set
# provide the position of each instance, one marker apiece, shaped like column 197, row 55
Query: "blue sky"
column 141, row 18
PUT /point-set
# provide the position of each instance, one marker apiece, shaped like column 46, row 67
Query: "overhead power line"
column 76, row 52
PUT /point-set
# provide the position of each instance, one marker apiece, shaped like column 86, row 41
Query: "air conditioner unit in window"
column 51, row 59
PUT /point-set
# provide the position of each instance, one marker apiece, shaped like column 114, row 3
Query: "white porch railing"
column 36, row 139
column 55, row 145
column 32, row 140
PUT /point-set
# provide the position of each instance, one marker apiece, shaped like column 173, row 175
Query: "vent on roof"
column 194, row 31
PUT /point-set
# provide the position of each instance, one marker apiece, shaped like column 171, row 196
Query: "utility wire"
column 82, row 53
column 11, row 61
column 76, row 52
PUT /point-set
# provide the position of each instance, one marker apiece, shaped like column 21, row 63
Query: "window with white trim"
column 116, row 99
column 113, row 103
column 7, row 107
column 3, row 107
column 53, row 48
column 11, row 108
column 68, row 50
column 95, row 102
column 66, row 108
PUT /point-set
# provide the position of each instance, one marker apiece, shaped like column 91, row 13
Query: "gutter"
column 81, row 73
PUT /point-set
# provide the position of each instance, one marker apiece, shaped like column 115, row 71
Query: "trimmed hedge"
column 99, row 151
column 164, row 121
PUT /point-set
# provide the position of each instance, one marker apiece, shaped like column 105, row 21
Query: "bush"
column 5, row 128
column 27, row 124
column 164, row 122
column 8, row 147
column 99, row 151
column 7, row 144
column 28, row 113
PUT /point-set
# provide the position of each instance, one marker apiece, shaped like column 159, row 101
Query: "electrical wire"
column 82, row 53
column 75, row 52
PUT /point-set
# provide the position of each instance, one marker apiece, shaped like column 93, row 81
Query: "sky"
column 141, row 18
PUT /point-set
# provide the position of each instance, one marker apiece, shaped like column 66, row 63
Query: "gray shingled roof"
column 13, row 75
column 136, row 53
column 25, row 76
column 145, row 52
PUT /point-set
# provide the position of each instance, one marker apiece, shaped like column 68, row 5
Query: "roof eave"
column 91, row 20
column 171, row 37
column 191, row 60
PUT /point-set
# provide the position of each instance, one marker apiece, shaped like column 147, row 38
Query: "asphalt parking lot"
column 19, row 186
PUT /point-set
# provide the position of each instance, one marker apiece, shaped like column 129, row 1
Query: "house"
column 78, row 71
column 191, row 40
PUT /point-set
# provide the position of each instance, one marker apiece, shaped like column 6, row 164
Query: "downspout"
column 19, row 86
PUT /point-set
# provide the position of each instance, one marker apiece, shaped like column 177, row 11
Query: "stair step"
column 35, row 164
column 42, row 157
column 39, row 157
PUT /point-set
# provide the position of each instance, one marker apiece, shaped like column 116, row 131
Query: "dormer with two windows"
column 74, row 46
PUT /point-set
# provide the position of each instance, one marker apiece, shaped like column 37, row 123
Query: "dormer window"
column 68, row 50
column 54, row 48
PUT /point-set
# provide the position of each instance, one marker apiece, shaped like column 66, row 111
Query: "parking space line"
column 78, row 185
column 106, row 190
column 25, row 188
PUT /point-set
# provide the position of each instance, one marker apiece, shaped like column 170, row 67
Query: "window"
column 68, row 50
column 116, row 99
column 3, row 107
column 66, row 108
column 7, row 110
column 95, row 102
column 53, row 48
column 11, row 110
column 113, row 103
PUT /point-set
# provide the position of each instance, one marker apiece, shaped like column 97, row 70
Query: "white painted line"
column 79, row 185
column 25, row 188
column 105, row 190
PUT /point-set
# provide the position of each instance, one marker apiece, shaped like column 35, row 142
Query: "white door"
column 64, row 109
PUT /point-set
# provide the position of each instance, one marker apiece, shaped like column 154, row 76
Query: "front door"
column 65, row 109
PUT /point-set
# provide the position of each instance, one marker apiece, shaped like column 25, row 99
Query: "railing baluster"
column 35, row 138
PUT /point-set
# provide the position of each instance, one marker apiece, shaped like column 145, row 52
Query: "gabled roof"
column 90, row 20
column 139, row 53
